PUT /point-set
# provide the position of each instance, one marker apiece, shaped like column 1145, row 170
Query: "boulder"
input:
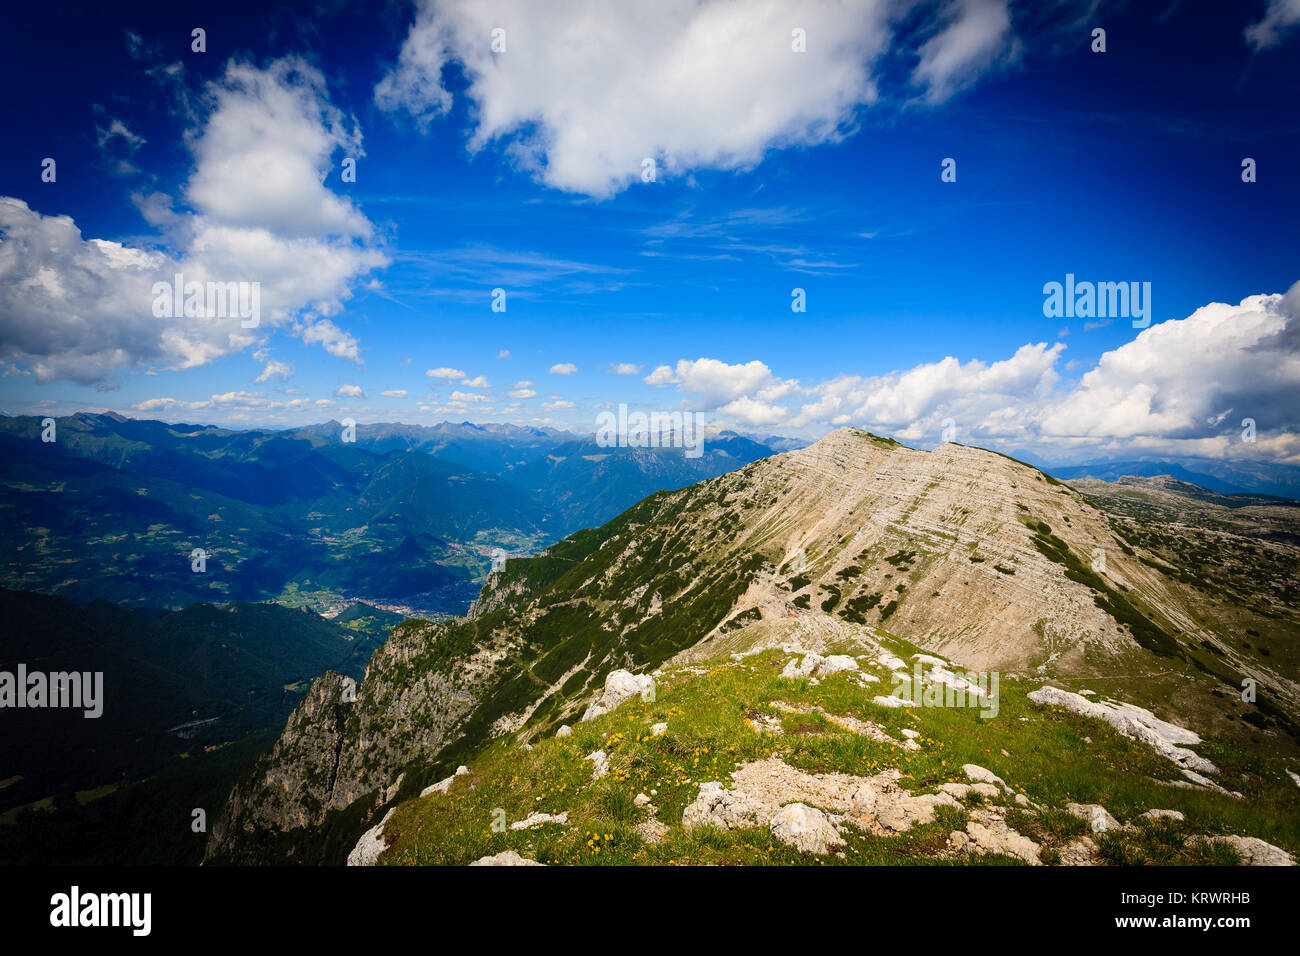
column 1098, row 818
column 620, row 686
column 806, row 829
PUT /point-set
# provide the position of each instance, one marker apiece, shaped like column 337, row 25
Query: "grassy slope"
column 1040, row 751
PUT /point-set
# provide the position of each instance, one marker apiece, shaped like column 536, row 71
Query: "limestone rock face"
column 806, row 829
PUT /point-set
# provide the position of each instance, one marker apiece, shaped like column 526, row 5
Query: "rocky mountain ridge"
column 963, row 551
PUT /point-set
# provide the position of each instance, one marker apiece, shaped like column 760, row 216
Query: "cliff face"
column 959, row 550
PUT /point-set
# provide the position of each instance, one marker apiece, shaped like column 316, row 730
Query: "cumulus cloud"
column 564, row 368
column 394, row 393
column 446, row 374
column 349, row 391
column 625, row 368
column 82, row 309
column 585, row 92
column 1179, row 388
column 1181, row 379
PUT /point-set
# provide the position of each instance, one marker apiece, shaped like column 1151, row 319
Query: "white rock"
column 997, row 837
column 657, row 729
column 837, row 663
column 539, row 819
column 505, row 858
column 640, row 800
column 805, row 828
column 620, row 686
column 1161, row 815
column 715, row 806
column 980, row 775
column 442, row 786
column 600, row 761
column 1168, row 740
column 371, row 844
column 814, row 665
column 1255, row 852
column 564, row 731
column 1097, row 816
column 881, row 701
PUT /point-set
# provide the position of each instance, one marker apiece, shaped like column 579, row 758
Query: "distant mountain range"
column 1225, row 477
column 115, row 508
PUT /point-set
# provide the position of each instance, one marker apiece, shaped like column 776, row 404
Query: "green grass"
column 1044, row 756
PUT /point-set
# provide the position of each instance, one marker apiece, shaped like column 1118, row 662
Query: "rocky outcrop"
column 1168, row 740
column 1254, row 851
column 620, row 686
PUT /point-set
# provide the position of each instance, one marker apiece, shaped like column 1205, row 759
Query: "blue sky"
column 521, row 169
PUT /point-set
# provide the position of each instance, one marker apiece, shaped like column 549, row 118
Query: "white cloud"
column 564, row 368
column 521, row 393
column 81, row 309
column 477, row 381
column 625, row 368
column 1179, row 379
column 394, row 393
column 446, row 374
column 504, row 354
column 585, row 92
column 1280, row 17
column 974, row 35
column 349, row 391
column 1178, row 388
column 470, row 397
column 272, row 368
column 560, row 404
column 717, row 382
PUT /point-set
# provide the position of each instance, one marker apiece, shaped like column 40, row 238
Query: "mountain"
column 114, row 508
column 855, row 542
column 184, row 695
column 493, row 448
column 1225, row 477
column 584, row 484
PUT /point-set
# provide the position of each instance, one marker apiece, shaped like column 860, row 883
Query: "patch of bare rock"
column 1168, row 740
column 505, row 858
column 762, row 789
column 620, row 686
